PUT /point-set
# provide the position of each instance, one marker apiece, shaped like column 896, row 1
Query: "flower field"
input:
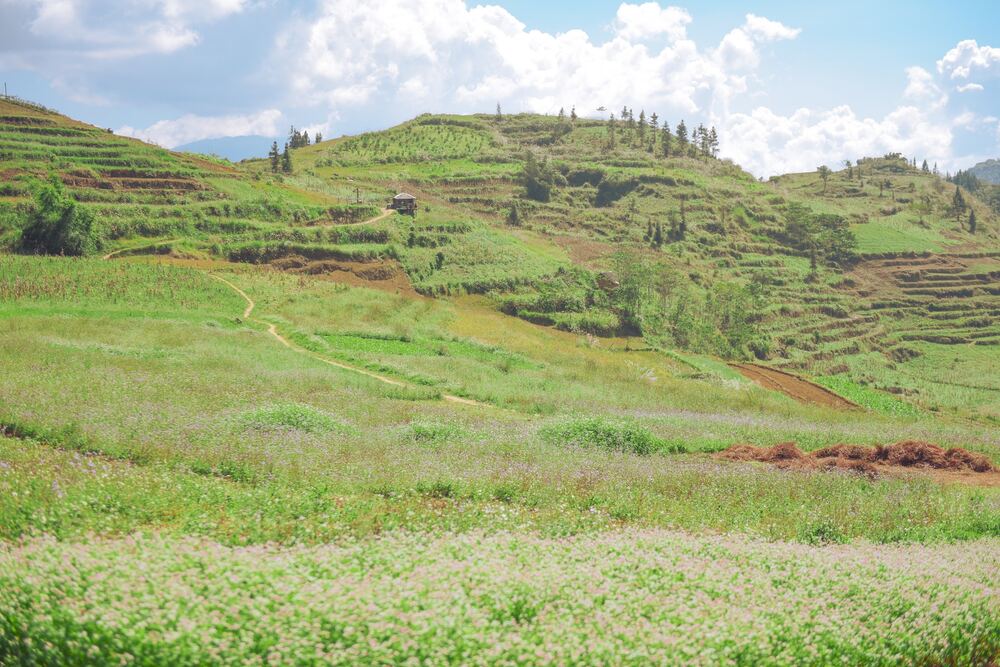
column 620, row 597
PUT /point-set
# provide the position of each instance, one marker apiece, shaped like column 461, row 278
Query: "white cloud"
column 188, row 128
column 971, row 88
column 767, row 30
column 639, row 22
column 466, row 58
column 104, row 30
column 767, row 143
column 966, row 58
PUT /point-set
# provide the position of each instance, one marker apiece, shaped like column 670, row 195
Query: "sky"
column 789, row 85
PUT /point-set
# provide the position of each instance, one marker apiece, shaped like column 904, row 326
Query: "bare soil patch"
column 955, row 464
column 792, row 385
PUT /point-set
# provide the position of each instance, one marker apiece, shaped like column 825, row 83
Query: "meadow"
column 444, row 440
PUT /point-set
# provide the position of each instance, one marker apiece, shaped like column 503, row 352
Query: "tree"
column 822, row 236
column 499, row 115
column 682, row 136
column 286, row 161
column 713, row 142
column 654, row 127
column 57, row 225
column 319, row 138
column 972, row 221
column 275, row 157
column 958, row 202
column 438, row 260
column 562, row 115
column 658, row 236
column 514, row 215
column 924, row 168
column 611, row 132
column 537, row 178
column 572, row 114
column 642, row 126
column 850, row 170
column 824, row 173
column 305, row 138
column 665, row 139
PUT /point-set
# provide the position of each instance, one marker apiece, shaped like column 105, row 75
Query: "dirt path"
column 792, row 385
column 381, row 216
column 113, row 253
column 271, row 329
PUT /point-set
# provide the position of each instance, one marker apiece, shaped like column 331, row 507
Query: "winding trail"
column 272, row 329
column 800, row 389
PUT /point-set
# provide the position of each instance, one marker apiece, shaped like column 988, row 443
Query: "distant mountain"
column 988, row 171
column 231, row 148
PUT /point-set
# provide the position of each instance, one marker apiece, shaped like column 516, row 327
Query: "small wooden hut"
column 404, row 202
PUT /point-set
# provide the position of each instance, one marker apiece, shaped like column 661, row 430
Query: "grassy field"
column 381, row 465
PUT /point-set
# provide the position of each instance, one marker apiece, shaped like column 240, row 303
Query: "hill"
column 650, row 237
column 233, row 149
column 269, row 422
column 987, row 171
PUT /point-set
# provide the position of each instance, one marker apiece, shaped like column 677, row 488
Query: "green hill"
column 869, row 280
column 268, row 422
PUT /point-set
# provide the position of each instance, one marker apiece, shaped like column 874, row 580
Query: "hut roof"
column 404, row 195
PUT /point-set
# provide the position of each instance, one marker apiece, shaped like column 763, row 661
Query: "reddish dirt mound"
column 867, row 460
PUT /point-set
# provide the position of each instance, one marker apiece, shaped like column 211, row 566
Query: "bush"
column 289, row 416
column 57, row 225
column 612, row 435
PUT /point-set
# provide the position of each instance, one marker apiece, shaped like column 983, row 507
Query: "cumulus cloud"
column 767, row 143
column 188, row 128
column 968, row 58
column 466, row 58
column 639, row 22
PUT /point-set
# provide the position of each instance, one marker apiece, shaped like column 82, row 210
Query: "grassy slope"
column 142, row 403
column 465, row 168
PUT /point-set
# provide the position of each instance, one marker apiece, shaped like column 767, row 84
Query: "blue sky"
column 789, row 84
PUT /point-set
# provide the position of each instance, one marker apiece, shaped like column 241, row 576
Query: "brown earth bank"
column 955, row 464
column 792, row 385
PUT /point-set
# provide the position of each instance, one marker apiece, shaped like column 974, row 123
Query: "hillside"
column 682, row 249
column 987, row 171
column 141, row 193
column 921, row 290
column 269, row 422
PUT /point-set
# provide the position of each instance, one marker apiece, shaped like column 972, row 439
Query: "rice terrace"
column 421, row 332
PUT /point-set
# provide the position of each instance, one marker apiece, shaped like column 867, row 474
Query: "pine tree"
column 642, row 126
column 611, row 132
column 972, row 221
column 924, row 167
column 319, row 138
column 665, row 139
column 275, row 157
column 305, row 138
column 958, row 202
column 572, row 114
column 713, row 142
column 654, row 127
column 682, row 136
column 658, row 236
column 286, row 161
column 562, row 115
column 648, row 236
column 499, row 116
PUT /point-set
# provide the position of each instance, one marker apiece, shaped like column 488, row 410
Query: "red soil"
column 912, row 454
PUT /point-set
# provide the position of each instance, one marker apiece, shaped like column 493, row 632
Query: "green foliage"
column 823, row 236
column 295, row 416
column 538, row 178
column 602, row 433
column 57, row 225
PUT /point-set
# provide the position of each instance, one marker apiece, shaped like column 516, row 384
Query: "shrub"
column 289, row 416
column 613, row 435
column 57, row 225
